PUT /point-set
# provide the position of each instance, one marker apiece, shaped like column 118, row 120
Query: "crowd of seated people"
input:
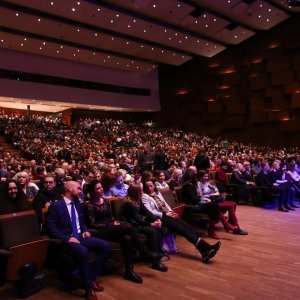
column 96, row 161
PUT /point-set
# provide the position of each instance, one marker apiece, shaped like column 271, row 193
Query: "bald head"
column 72, row 190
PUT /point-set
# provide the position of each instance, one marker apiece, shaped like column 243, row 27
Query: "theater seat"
column 21, row 246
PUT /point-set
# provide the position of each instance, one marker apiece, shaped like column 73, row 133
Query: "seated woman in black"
column 99, row 216
column 130, row 212
column 192, row 197
column 12, row 198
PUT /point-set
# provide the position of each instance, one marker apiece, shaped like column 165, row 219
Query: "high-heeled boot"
column 206, row 250
column 227, row 226
column 211, row 229
column 131, row 275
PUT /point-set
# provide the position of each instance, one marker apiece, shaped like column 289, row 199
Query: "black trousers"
column 181, row 227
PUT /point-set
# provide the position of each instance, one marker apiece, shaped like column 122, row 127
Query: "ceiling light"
column 57, row 51
column 152, row 49
column 78, row 30
column 39, row 20
column 22, row 45
column 112, row 38
column 127, row 43
column 128, row 26
column 78, row 3
column 154, row 5
column 111, row 21
column 25, row 39
column 98, row 9
column 268, row 20
column 196, row 21
column 206, row 25
column 134, row 21
column 117, row 16
column 204, row 16
column 61, row 46
column 96, row 34
column 41, row 48
column 144, row 30
column 73, row 9
column 51, row 3
column 44, row 43
column 2, row 41
column 235, row 36
column 17, row 14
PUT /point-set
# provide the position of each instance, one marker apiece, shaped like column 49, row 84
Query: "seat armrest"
column 6, row 252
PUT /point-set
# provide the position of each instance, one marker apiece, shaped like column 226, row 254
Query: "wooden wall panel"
column 234, row 121
column 214, row 107
column 291, row 87
column 258, row 82
column 282, row 77
column 211, row 118
column 257, row 104
column 295, row 102
column 259, row 117
column 292, row 125
column 278, row 64
column 280, row 102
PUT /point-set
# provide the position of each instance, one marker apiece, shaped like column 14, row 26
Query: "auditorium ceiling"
column 135, row 35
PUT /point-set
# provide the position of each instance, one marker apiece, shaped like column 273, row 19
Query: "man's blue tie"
column 73, row 219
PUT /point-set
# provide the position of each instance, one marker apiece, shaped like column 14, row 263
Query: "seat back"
column 19, row 233
column 170, row 198
column 212, row 174
column 116, row 205
column 178, row 191
column 228, row 178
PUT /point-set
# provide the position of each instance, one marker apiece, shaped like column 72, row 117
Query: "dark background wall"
column 249, row 92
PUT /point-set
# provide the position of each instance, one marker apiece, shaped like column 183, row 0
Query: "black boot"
column 206, row 250
column 159, row 266
column 131, row 275
column 152, row 256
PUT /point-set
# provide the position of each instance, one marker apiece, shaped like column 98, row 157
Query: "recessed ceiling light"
column 134, row 21
column 96, row 34
column 17, row 14
column 98, row 9
column 112, row 38
column 270, row 9
column 73, row 9
column 111, row 21
column 2, row 41
column 127, row 43
column 57, row 51
column 128, row 26
column 196, row 21
column 152, row 49
column 39, row 20
column 154, row 5
column 215, row 20
column 61, row 46
column 41, row 48
column 44, row 43
column 22, row 45
column 78, row 29
column 206, row 25
column 180, row 42
column 74, row 54
column 204, row 16
column 117, row 16
column 78, row 3
column 268, row 20
column 94, row 53
column 25, row 39
column 52, row 3
column 235, row 36
column 144, row 30
column 78, row 50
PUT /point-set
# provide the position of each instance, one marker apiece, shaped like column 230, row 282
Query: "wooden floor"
column 263, row 265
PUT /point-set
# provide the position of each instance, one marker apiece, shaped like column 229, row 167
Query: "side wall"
column 251, row 92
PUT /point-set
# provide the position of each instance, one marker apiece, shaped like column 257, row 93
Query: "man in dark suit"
column 65, row 221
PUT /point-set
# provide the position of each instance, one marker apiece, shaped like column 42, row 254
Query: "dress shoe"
column 293, row 205
column 240, row 232
column 288, row 207
column 153, row 256
column 97, row 287
column 282, row 209
column 132, row 276
column 91, row 295
column 159, row 267
column 213, row 235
